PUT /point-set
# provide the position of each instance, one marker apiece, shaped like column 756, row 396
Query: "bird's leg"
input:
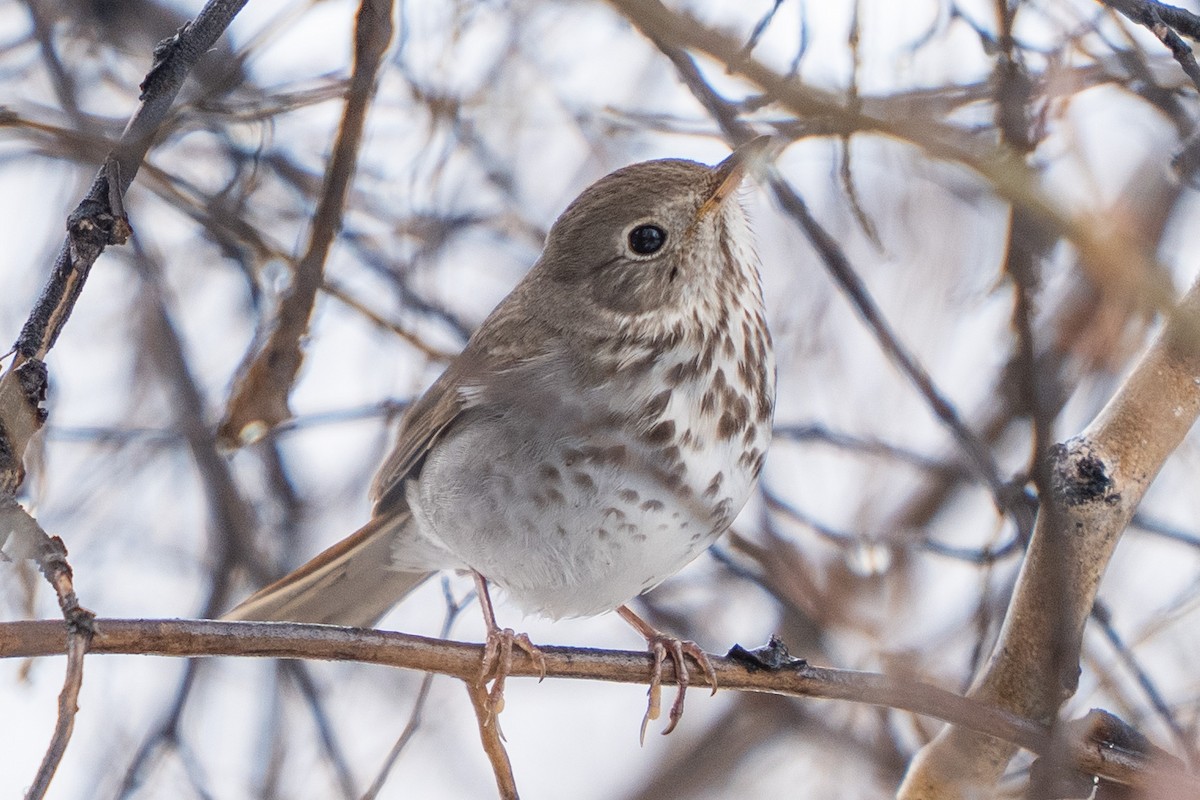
column 663, row 646
column 498, row 649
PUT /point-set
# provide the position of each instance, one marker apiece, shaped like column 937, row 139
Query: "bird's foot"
column 498, row 652
column 497, row 663
column 662, row 647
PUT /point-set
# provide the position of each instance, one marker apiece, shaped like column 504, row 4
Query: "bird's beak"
column 729, row 173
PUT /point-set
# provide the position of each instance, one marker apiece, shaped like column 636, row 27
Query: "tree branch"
column 1099, row 478
column 789, row 677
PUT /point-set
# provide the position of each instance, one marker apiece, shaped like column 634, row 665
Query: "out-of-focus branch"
column 259, row 399
column 1098, row 480
column 192, row 638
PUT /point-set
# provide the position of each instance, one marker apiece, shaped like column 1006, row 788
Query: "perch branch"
column 795, row 678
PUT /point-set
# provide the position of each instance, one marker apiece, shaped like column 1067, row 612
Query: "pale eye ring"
column 647, row 239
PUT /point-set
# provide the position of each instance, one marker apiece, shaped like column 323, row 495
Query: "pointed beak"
column 729, row 173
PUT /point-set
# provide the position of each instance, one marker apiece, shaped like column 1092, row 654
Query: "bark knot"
column 1081, row 476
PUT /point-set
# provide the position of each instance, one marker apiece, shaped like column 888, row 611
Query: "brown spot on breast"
column 671, row 455
column 674, row 480
column 661, row 433
column 708, row 403
column 583, row 481
column 549, row 474
column 601, row 534
column 764, row 402
column 714, row 486
column 735, row 418
column 615, row 455
column 555, row 496
column 658, row 404
column 652, row 505
column 674, row 375
column 746, row 367
column 628, row 495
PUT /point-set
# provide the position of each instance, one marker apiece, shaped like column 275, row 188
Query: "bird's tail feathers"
column 351, row 583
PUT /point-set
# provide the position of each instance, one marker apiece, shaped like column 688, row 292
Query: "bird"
column 600, row 429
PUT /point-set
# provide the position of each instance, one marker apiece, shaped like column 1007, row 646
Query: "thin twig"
column 79, row 629
column 493, row 741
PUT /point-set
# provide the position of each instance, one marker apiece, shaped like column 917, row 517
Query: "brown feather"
column 351, row 583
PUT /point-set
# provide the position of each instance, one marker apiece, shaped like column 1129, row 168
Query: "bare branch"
column 791, row 677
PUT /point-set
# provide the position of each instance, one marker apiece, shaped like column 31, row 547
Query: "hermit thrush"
column 602, row 427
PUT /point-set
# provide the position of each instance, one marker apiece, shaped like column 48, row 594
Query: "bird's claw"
column 497, row 663
column 662, row 647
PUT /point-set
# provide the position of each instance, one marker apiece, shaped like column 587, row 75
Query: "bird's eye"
column 647, row 239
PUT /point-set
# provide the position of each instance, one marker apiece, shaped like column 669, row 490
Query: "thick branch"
column 1099, row 479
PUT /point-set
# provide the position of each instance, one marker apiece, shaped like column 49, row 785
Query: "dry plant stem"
column 259, row 399
column 1099, row 479
column 493, row 740
column 194, row 638
column 335, row 291
column 453, row 608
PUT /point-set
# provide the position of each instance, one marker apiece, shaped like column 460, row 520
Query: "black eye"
column 647, row 239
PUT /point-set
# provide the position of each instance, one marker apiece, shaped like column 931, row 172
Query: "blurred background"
column 874, row 542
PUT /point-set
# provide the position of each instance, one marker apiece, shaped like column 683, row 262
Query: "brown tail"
column 351, row 583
